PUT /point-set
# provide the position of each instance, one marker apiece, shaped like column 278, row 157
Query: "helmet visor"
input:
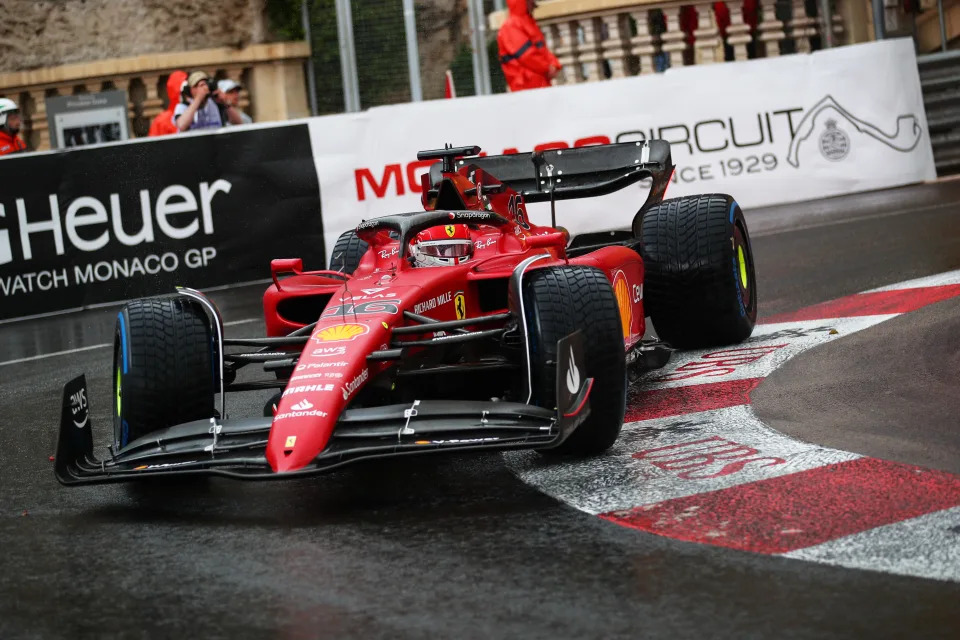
column 446, row 248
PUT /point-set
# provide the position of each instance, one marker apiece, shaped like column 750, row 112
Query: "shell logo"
column 340, row 332
column 622, row 291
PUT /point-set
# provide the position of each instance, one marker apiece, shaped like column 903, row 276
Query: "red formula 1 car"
column 462, row 327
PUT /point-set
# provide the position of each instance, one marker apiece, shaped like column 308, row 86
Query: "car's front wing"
column 235, row 447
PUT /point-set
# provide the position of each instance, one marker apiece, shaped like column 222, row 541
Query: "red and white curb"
column 695, row 463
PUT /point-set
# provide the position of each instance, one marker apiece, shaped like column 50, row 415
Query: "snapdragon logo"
column 85, row 217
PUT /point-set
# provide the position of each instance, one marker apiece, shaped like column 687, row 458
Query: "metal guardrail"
column 940, row 83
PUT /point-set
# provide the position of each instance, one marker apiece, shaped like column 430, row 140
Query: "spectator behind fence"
column 201, row 106
column 230, row 91
column 10, row 127
column 526, row 61
column 163, row 124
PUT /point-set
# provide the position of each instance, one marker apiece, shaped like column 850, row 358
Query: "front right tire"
column 558, row 301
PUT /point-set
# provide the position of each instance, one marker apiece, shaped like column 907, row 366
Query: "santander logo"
column 354, row 384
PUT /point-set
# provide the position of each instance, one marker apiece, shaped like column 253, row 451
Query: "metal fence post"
column 308, row 36
column 943, row 26
column 482, row 41
column 475, row 49
column 413, row 52
column 348, row 56
column 826, row 24
column 879, row 20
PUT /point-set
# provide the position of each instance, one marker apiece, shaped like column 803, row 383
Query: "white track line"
column 43, row 356
column 949, row 277
column 57, row 353
column 872, row 216
column 234, row 323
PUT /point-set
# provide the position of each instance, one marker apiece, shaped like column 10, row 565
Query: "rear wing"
column 565, row 174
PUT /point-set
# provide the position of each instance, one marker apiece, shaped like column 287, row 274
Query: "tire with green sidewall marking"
column 700, row 286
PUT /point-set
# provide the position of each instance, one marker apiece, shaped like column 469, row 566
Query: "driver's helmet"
column 442, row 246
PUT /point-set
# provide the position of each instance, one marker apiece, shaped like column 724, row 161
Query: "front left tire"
column 163, row 366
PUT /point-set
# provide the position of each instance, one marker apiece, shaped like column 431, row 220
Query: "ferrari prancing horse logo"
column 451, row 230
column 460, row 304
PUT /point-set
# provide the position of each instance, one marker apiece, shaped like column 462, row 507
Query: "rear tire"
column 558, row 301
column 700, row 286
column 163, row 366
column 347, row 252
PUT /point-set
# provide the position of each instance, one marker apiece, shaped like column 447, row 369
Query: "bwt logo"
column 170, row 212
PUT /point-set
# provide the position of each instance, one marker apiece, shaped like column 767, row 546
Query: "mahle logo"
column 88, row 226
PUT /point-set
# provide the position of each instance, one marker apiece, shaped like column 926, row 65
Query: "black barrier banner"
column 129, row 220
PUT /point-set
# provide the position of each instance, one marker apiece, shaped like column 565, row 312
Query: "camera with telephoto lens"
column 186, row 97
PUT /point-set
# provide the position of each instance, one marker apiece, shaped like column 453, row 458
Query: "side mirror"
column 285, row 265
column 547, row 240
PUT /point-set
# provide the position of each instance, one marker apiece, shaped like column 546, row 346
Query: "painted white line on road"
column 233, row 323
column 949, row 277
column 873, row 216
column 54, row 354
column 57, row 353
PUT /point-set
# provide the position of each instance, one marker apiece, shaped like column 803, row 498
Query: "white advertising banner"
column 768, row 131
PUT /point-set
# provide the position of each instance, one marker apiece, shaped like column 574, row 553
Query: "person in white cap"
column 197, row 110
column 10, row 127
column 230, row 91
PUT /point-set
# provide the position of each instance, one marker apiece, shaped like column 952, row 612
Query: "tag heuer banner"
column 127, row 220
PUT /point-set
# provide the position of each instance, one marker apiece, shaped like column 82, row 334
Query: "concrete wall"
column 49, row 33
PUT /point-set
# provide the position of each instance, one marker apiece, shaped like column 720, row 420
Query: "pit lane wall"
column 103, row 224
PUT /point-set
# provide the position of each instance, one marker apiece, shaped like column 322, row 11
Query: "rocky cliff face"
column 48, row 33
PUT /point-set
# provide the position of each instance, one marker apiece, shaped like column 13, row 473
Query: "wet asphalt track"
column 457, row 547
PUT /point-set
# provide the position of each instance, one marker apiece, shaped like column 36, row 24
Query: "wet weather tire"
column 347, row 252
column 163, row 366
column 700, row 287
column 558, row 301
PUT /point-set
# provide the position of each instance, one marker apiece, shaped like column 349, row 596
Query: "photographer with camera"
column 202, row 106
